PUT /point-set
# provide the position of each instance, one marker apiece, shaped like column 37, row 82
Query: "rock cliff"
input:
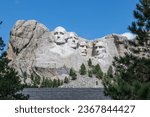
column 34, row 49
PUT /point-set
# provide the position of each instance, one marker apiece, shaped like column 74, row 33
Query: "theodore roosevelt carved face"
column 60, row 34
column 83, row 48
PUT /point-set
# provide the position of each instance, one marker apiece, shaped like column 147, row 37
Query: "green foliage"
column 115, row 87
column 10, row 83
column 35, row 80
column 2, row 45
column 59, row 82
column 51, row 83
column 118, row 88
column 89, row 63
column 82, row 69
column 133, row 68
column 25, row 78
column 46, row 83
column 132, row 73
column 141, row 26
column 66, row 80
column 89, row 73
column 55, row 83
column 93, row 69
column 73, row 74
column 110, row 72
column 97, row 71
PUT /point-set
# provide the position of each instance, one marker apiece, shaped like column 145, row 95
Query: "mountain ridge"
column 34, row 49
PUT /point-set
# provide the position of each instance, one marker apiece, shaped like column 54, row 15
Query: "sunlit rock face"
column 102, row 54
column 23, row 32
column 34, row 49
column 83, row 46
column 60, row 35
column 73, row 40
column 100, row 49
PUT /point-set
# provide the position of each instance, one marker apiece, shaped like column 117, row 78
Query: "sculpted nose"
column 84, row 48
column 58, row 37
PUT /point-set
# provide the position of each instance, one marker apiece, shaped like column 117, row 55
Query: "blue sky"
column 88, row 18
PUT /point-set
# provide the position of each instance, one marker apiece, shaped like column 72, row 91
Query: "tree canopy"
column 10, row 83
column 132, row 71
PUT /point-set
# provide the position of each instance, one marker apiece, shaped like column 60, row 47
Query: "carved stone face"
column 73, row 40
column 59, row 34
column 100, row 49
column 83, row 48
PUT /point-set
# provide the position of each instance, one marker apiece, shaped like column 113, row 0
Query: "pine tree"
column 141, row 26
column 66, row 80
column 132, row 72
column 89, row 73
column 89, row 63
column 35, row 80
column 59, row 83
column 71, row 72
column 97, row 71
column 110, row 72
column 55, row 83
column 2, row 45
column 82, row 69
column 46, row 83
column 74, row 76
column 10, row 83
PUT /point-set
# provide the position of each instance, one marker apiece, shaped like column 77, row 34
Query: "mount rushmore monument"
column 34, row 49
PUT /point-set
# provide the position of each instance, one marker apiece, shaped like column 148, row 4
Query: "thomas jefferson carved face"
column 100, row 49
column 59, row 34
column 83, row 48
column 73, row 40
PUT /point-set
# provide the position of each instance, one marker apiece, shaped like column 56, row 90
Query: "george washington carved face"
column 59, row 34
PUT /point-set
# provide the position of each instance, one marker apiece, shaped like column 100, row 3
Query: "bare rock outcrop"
column 34, row 49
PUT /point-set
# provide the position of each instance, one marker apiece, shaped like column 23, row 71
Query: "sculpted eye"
column 61, row 33
column 56, row 33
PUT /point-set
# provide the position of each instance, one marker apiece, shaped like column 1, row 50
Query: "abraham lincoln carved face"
column 100, row 49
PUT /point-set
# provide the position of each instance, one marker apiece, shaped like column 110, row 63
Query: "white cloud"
column 129, row 35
